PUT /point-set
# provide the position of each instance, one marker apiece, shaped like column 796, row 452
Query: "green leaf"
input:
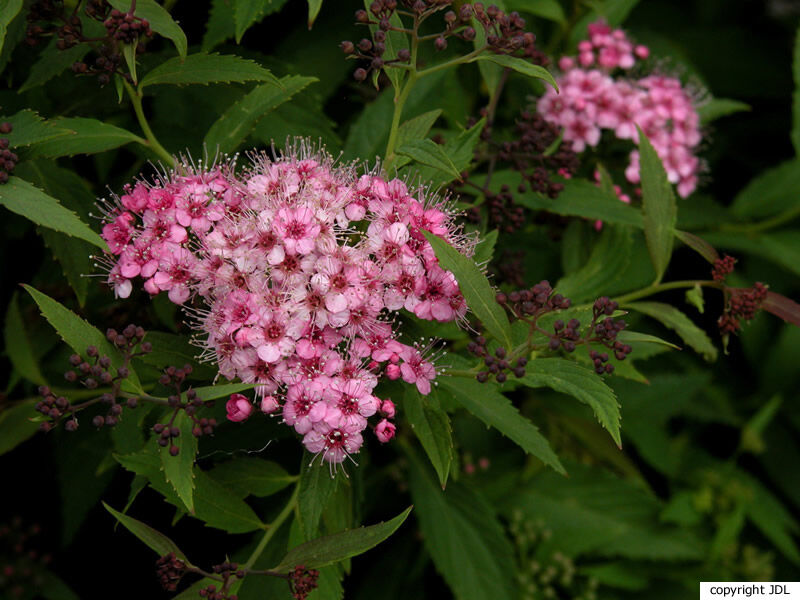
column 153, row 539
column 212, row 392
column 16, row 425
column 475, row 287
column 462, row 535
column 634, row 337
column 605, row 269
column 484, row 251
column 339, row 546
column 580, row 198
column 316, row 486
column 30, row 128
column 203, row 69
column 694, row 296
column 520, row 65
column 547, row 9
column 594, row 512
column 26, row 200
column 698, row 244
column 52, row 62
column 236, row 123
column 214, row 504
column 674, row 319
column 87, row 136
column 717, row 108
column 428, row 152
column 460, row 150
column 220, row 25
column 247, row 13
column 178, row 469
column 18, row 345
column 487, row 403
column 160, row 20
column 79, row 334
column 659, row 209
column 417, row 128
column 432, row 427
column 129, row 53
column 314, row 7
column 250, row 476
column 8, row 10
column 579, row 382
column 780, row 247
column 772, row 192
column 170, row 349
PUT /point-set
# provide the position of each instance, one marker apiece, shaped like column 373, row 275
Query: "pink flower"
column 387, row 408
column 269, row 404
column 238, row 408
column 384, row 431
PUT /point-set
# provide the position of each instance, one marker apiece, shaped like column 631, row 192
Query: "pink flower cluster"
column 592, row 100
column 299, row 265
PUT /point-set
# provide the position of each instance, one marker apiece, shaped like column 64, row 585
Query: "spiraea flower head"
column 294, row 267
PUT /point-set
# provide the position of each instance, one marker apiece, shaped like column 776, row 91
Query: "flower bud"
column 238, row 408
column 387, row 408
column 385, row 431
column 269, row 404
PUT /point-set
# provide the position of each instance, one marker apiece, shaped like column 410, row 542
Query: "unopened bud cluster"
column 168, row 432
column 52, row 18
column 498, row 364
column 21, row 565
column 8, row 160
column 743, row 305
column 169, row 570
column 302, row 582
column 504, row 32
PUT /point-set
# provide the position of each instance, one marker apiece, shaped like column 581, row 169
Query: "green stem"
column 451, row 63
column 663, row 287
column 152, row 141
column 777, row 220
column 273, row 528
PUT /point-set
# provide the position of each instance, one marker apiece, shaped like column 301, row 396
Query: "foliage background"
column 688, row 437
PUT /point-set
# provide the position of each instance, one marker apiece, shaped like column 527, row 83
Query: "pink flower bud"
column 269, row 404
column 387, row 408
column 384, row 431
column 642, row 51
column 392, row 371
column 239, row 408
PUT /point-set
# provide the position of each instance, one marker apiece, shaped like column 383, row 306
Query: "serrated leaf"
column 462, row 535
column 30, row 128
column 428, row 152
column 605, row 268
column 79, row 334
column 460, row 150
column 484, row 251
column 659, row 209
column 431, row 425
column 475, row 287
column 487, row 403
column 417, row 128
column 520, row 65
column 212, row 392
column 579, row 382
column 202, row 69
column 160, row 20
column 215, row 505
column 19, row 196
column 250, row 476
column 178, row 469
column 316, row 486
column 16, row 425
column 694, row 296
column 247, row 13
column 716, row 108
column 339, row 546
column 238, row 120
column 674, row 319
column 153, row 539
column 52, row 62
column 9, row 9
column 85, row 136
column 220, row 25
column 18, row 345
column 580, row 198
